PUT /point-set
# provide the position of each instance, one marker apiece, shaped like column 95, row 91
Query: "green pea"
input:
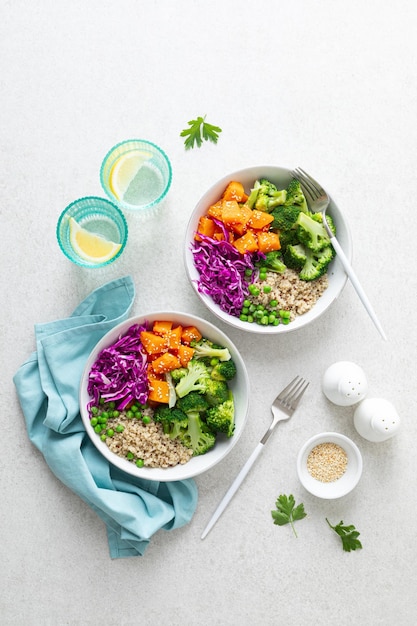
column 273, row 303
column 129, row 415
column 214, row 361
column 248, row 272
column 98, row 429
column 146, row 419
column 105, row 415
column 254, row 290
column 267, row 289
column 134, row 408
column 120, row 428
column 94, row 421
column 103, row 437
column 110, row 432
column 245, row 310
column 130, row 455
column 94, row 410
column 250, row 319
column 140, row 463
column 246, row 303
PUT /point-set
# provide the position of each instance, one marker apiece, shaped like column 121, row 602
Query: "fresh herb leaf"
column 348, row 534
column 199, row 130
column 286, row 511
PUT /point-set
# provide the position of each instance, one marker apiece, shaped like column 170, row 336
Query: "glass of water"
column 136, row 174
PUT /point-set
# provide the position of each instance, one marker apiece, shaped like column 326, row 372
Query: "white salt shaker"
column 344, row 383
column 376, row 419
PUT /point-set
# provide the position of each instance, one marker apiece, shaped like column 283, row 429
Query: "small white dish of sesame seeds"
column 329, row 465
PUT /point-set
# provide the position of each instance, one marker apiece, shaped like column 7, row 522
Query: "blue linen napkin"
column 47, row 384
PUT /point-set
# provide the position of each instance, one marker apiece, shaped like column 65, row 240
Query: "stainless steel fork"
column 318, row 200
column 282, row 408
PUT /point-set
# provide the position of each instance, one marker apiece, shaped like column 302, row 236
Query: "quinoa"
column 327, row 462
column 292, row 294
column 145, row 442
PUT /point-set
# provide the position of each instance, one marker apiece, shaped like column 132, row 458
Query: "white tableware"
column 280, row 177
column 318, row 201
column 282, row 409
column 239, row 386
column 376, row 419
column 345, row 383
column 336, row 488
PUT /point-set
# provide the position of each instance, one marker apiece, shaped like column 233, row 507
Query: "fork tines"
column 311, row 185
column 291, row 395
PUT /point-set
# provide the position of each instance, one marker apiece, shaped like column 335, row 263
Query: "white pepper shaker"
column 376, row 419
column 344, row 383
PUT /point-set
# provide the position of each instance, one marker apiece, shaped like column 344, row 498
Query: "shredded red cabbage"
column 222, row 271
column 119, row 373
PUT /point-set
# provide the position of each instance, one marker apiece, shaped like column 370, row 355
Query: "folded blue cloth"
column 47, row 384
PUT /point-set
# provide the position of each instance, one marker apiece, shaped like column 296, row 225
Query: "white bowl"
column 239, row 386
column 336, row 274
column 341, row 486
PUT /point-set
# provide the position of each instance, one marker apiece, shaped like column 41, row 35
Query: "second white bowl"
column 336, row 488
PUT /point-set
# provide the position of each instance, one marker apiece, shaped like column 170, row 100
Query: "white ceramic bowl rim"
column 337, row 276
column 343, row 485
column 239, row 385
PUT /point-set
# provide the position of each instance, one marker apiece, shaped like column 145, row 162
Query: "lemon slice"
column 91, row 247
column 125, row 170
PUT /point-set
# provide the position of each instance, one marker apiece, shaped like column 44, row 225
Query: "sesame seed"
column 327, row 462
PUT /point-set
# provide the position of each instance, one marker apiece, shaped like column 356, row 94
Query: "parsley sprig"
column 286, row 512
column 348, row 534
column 198, row 132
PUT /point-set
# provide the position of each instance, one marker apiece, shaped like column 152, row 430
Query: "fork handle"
column 233, row 488
column 356, row 284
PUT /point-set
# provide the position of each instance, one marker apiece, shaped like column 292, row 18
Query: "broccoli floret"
column 295, row 256
column 194, row 379
column 273, row 262
column 173, row 420
column 206, row 348
column 318, row 217
column 285, row 217
column 224, row 371
column 217, row 391
column 198, row 436
column 311, row 233
column 287, row 238
column 193, row 402
column 310, row 265
column 264, row 196
column 295, row 195
column 177, row 374
column 221, row 418
column 316, row 263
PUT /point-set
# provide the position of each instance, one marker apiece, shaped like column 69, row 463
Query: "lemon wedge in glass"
column 89, row 246
column 125, row 170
